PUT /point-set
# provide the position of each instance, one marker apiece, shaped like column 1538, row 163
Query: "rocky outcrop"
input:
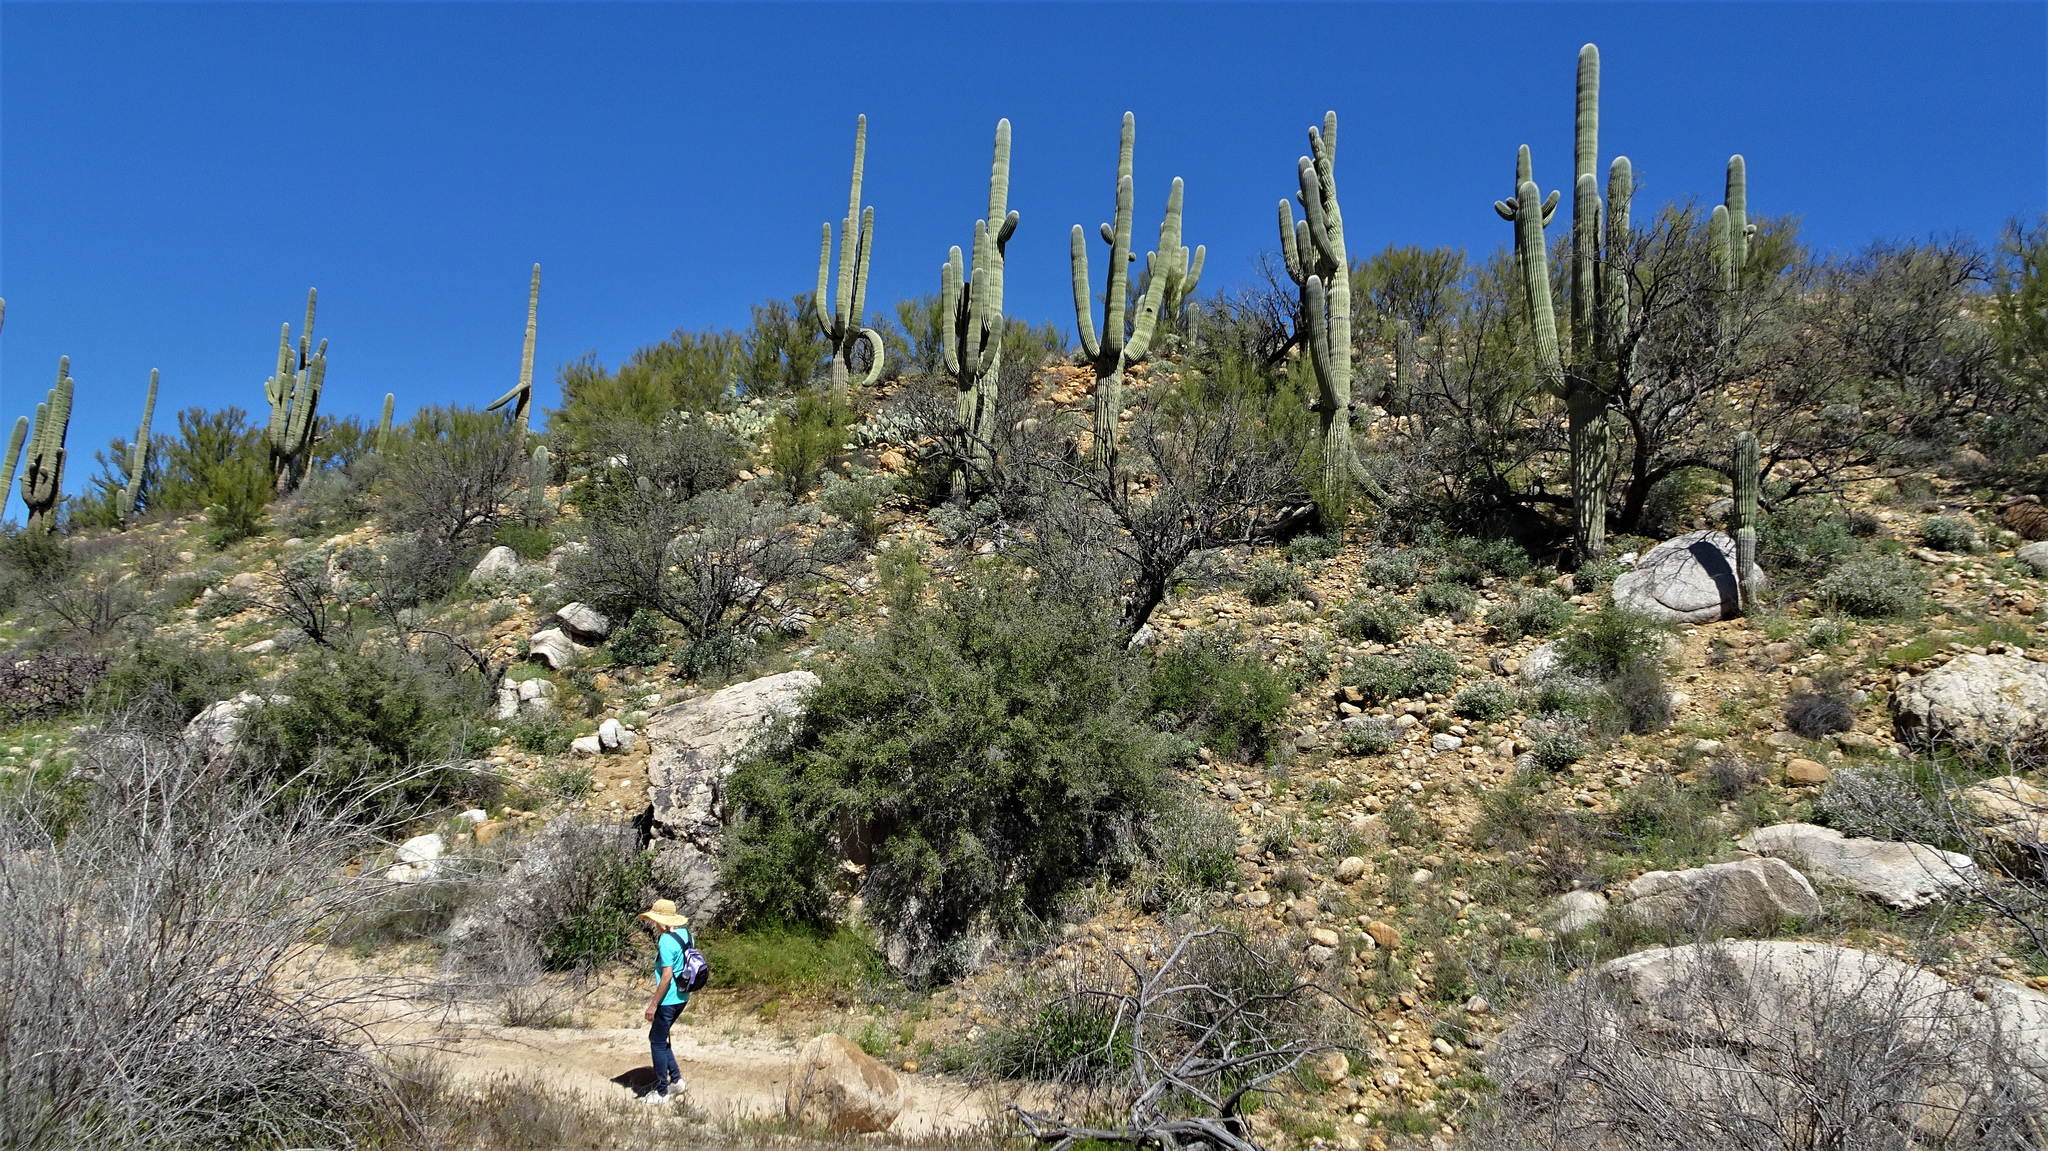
column 2013, row 815
column 1687, row 580
column 1907, row 876
column 498, row 562
column 836, row 1086
column 583, row 622
column 1975, row 699
column 1750, row 894
column 554, row 648
column 216, row 731
column 691, row 749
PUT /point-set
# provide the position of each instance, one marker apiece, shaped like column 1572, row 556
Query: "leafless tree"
column 449, row 482
column 715, row 564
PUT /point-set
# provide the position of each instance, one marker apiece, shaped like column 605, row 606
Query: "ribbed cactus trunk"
column 1313, row 250
column 42, row 479
column 537, row 485
column 1728, row 236
column 972, row 306
column 14, row 442
column 138, row 453
column 294, row 395
column 1747, row 477
column 383, row 443
column 1125, row 339
column 841, row 314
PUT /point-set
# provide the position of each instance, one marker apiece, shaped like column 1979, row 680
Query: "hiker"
column 672, row 937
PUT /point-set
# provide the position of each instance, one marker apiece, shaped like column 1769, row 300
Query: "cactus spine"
column 972, row 303
column 1313, row 248
column 42, row 479
column 294, row 395
column 521, row 396
column 1117, row 348
column 1747, row 477
column 384, row 425
column 138, row 453
column 840, row 315
column 537, row 485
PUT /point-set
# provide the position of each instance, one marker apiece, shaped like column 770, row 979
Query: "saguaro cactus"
column 14, row 442
column 1313, row 248
column 521, row 395
column 294, row 395
column 972, row 307
column 138, row 452
column 1125, row 339
column 840, row 315
column 383, row 443
column 537, row 485
column 1747, row 477
column 1728, row 236
column 42, row 480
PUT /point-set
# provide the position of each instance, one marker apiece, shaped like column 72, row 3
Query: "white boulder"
column 1999, row 699
column 1689, row 579
column 584, row 622
column 499, row 561
column 553, row 647
column 1748, row 893
column 1904, row 875
column 416, row 859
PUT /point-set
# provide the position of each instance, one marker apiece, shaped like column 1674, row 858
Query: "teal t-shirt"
column 670, row 955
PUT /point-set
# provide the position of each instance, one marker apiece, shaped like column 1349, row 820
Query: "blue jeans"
column 665, row 1070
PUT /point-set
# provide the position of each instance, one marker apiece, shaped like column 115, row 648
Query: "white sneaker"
column 677, row 1088
column 654, row 1098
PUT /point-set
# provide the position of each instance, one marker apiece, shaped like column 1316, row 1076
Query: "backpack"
column 696, row 970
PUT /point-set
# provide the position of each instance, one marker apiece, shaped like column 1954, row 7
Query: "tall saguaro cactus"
column 1125, row 339
column 521, row 395
column 1747, row 478
column 1313, row 248
column 840, row 315
column 972, row 309
column 14, row 442
column 138, row 453
column 1728, row 235
column 294, row 395
column 383, row 443
column 42, row 479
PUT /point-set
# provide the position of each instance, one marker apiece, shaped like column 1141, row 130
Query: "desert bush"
column 1381, row 619
column 447, row 481
column 855, row 502
column 638, row 641
column 203, row 1033
column 1270, row 583
column 1192, row 849
column 1380, row 678
column 1636, row 699
column 1728, row 775
column 1948, row 534
column 1213, row 686
column 1814, row 714
column 1485, row 701
column 1612, row 640
column 1880, row 802
column 1308, row 549
column 1392, row 569
column 1433, row 669
column 328, row 499
column 1531, row 613
column 801, row 440
column 1373, row 737
column 581, row 908
column 1881, row 587
column 1444, row 597
column 1560, row 741
column 168, row 680
column 711, row 658
column 540, row 732
column 789, row 959
column 49, row 684
column 989, row 752
column 1565, row 695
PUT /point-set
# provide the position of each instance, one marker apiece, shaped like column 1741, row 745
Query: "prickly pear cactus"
column 294, row 395
column 971, row 303
column 42, row 479
column 138, row 453
column 521, row 395
column 841, row 314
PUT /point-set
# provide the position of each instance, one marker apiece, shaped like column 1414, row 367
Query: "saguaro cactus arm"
column 14, row 443
column 972, row 306
column 384, row 424
column 138, row 452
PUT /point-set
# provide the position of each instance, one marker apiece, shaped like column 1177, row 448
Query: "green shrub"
column 1381, row 678
column 1394, row 569
column 540, row 732
column 799, row 442
column 1379, row 619
column 1613, row 639
column 530, row 543
column 1433, row 669
column 1531, row 613
column 600, row 884
column 1443, row 597
column 1502, row 558
column 786, row 959
column 238, row 493
column 170, row 680
column 1484, row 701
column 1270, row 583
column 1637, row 701
column 855, row 503
column 448, row 481
column 1077, row 1039
column 720, row 655
column 639, row 641
column 1949, row 534
column 990, row 748
column 1373, row 737
column 1564, row 695
column 1561, row 746
column 1212, row 686
column 1596, row 574
column 1308, row 549
column 1881, row 587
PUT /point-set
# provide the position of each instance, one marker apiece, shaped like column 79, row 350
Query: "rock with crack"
column 1907, row 876
column 1578, row 910
column 691, row 749
column 837, row 1086
column 1687, row 580
column 2034, row 555
column 1753, row 894
column 554, row 648
column 1995, row 700
column 584, row 623
column 1541, row 663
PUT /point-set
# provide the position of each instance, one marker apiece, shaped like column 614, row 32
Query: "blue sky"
column 174, row 176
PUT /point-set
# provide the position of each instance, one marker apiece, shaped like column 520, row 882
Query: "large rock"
column 2034, row 555
column 1975, row 699
column 416, row 859
column 584, row 622
column 498, row 562
column 1748, row 893
column 691, row 748
column 2014, row 816
column 1541, row 662
column 1905, row 875
column 554, row 648
column 216, row 731
column 837, row 1086
column 1689, row 579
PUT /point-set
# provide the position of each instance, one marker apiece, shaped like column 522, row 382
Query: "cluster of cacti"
column 521, row 395
column 42, row 476
column 1599, row 302
column 1127, row 339
column 841, row 314
column 1743, row 520
column 972, row 304
column 294, row 395
column 1728, row 234
column 138, row 453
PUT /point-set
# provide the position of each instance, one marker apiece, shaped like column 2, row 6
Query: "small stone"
column 487, row 831
column 1383, row 934
column 1477, row 1005
column 587, row 745
column 910, row 1065
column 1349, row 870
column 1258, row 899
column 1323, row 936
column 1445, row 741
column 1333, row 1067
column 1443, row 1047
column 1806, row 772
column 473, row 815
column 608, row 734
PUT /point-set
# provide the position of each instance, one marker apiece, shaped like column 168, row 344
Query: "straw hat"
column 664, row 914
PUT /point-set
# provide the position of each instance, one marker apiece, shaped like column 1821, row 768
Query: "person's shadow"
column 640, row 1080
